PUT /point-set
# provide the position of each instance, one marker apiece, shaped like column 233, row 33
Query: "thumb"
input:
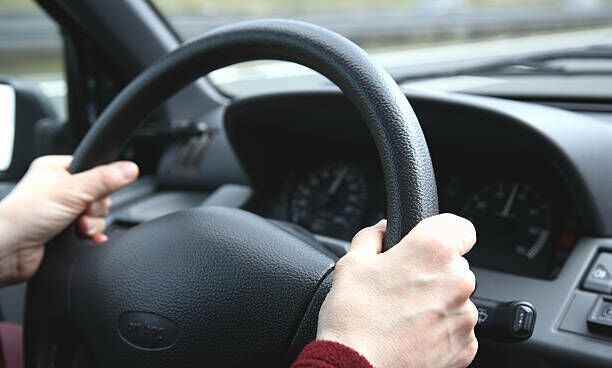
column 104, row 180
column 369, row 239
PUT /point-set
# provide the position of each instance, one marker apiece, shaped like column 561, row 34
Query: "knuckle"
column 465, row 324
column 469, row 352
column 465, row 230
column 463, row 263
column 446, row 216
column 461, row 221
column 463, row 282
column 471, row 229
column 470, row 233
column 467, row 282
column 471, row 315
column 461, row 274
column 436, row 246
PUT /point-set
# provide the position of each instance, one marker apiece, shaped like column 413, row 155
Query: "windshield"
column 408, row 37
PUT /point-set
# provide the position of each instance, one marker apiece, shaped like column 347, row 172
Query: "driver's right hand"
column 408, row 306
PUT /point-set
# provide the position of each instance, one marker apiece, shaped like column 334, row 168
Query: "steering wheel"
column 214, row 286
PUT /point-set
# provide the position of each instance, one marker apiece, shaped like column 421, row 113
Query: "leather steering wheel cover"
column 409, row 177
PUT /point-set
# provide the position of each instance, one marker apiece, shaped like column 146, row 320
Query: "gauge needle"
column 323, row 198
column 505, row 213
column 333, row 188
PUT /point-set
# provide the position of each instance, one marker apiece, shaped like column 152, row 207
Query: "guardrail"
column 35, row 33
column 431, row 25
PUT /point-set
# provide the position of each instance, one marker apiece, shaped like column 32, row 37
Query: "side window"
column 32, row 81
column 31, row 50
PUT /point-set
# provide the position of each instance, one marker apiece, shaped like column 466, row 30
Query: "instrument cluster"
column 525, row 225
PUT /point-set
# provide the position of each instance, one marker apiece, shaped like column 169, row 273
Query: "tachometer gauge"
column 513, row 224
column 330, row 200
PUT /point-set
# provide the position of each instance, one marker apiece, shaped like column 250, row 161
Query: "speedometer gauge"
column 513, row 224
column 330, row 200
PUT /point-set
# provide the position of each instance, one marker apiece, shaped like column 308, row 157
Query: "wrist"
column 8, row 244
column 7, row 232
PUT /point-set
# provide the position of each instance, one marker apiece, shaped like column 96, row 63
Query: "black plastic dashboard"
column 314, row 164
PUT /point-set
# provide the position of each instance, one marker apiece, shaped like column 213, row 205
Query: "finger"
column 369, row 239
column 99, row 238
column 90, row 226
column 473, row 311
column 104, row 180
column 448, row 229
column 59, row 161
column 99, row 208
column 464, row 262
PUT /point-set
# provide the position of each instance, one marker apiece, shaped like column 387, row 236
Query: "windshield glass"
column 413, row 38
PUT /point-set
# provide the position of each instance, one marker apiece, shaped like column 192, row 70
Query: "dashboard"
column 526, row 223
column 313, row 164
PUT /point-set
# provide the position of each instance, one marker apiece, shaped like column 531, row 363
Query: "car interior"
column 255, row 177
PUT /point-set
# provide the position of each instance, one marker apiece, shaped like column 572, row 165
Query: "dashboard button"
column 599, row 278
column 600, row 318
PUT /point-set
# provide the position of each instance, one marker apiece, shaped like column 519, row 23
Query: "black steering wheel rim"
column 408, row 173
column 409, row 178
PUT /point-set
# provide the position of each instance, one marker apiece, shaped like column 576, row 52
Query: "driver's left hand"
column 48, row 199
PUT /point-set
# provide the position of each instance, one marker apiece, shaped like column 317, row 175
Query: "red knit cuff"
column 329, row 354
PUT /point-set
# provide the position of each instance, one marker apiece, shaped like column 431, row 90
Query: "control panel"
column 590, row 311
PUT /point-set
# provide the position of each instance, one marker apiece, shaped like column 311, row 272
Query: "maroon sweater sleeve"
column 329, row 354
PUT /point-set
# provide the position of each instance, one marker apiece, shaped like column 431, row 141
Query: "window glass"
column 404, row 35
column 376, row 25
column 31, row 50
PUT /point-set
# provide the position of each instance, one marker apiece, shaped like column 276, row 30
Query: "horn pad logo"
column 147, row 331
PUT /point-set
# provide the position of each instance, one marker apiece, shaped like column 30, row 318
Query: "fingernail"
column 128, row 170
column 99, row 238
